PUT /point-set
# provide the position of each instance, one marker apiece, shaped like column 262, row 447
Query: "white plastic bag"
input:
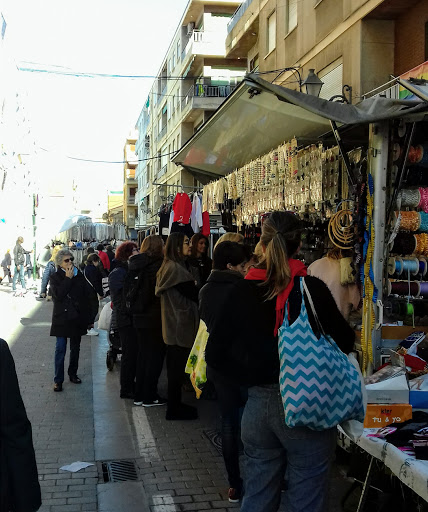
column 105, row 317
column 354, row 428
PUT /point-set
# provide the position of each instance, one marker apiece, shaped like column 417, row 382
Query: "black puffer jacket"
column 211, row 296
column 146, row 308
column 65, row 291
column 121, row 317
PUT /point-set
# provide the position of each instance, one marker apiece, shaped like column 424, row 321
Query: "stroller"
column 115, row 348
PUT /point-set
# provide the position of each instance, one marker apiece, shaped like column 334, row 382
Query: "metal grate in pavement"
column 119, row 470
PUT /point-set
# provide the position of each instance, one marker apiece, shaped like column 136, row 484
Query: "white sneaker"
column 92, row 332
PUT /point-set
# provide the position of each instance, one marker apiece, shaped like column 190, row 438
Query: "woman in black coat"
column 19, row 483
column 146, row 316
column 95, row 289
column 70, row 317
column 122, row 319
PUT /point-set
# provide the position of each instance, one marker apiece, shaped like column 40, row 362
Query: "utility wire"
column 111, row 161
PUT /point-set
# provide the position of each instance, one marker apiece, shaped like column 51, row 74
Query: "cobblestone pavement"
column 178, row 468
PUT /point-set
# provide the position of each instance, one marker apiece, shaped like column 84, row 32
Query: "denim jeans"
column 21, row 277
column 231, row 399
column 60, row 350
column 271, row 448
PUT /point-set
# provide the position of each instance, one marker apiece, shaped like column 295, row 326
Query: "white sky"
column 84, row 117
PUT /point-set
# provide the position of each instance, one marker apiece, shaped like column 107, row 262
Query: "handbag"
column 196, row 365
column 320, row 387
column 104, row 321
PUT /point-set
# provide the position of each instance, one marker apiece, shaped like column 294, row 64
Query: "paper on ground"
column 76, row 466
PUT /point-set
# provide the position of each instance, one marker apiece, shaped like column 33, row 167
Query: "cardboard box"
column 390, row 391
column 383, row 415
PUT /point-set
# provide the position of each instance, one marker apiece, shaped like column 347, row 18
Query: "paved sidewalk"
column 177, row 466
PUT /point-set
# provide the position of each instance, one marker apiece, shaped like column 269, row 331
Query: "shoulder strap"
column 314, row 312
column 84, row 273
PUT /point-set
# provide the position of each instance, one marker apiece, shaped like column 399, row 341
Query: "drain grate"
column 119, row 470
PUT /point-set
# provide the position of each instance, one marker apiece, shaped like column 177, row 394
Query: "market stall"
column 361, row 189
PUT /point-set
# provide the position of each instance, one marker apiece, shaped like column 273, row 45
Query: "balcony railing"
column 238, row 15
column 161, row 133
column 207, row 91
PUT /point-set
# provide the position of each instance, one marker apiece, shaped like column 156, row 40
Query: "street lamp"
column 312, row 83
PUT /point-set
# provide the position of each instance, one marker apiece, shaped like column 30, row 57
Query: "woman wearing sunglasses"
column 70, row 316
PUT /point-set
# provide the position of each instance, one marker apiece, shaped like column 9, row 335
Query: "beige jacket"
column 180, row 316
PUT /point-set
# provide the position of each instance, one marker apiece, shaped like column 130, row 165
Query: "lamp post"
column 313, row 84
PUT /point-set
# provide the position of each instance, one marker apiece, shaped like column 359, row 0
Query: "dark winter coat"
column 200, row 268
column 19, row 483
column 121, row 316
column 180, row 316
column 94, row 288
column 70, row 298
column 49, row 270
column 146, row 307
column 242, row 344
column 212, row 295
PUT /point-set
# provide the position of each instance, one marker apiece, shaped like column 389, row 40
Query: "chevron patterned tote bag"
column 320, row 387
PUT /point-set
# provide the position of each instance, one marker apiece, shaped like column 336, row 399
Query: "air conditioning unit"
column 190, row 28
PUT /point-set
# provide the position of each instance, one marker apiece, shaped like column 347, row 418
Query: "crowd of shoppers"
column 245, row 298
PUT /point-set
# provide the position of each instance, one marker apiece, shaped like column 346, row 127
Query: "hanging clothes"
column 206, row 224
column 177, row 227
column 182, row 208
column 196, row 215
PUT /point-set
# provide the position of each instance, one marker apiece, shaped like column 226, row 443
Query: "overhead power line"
column 112, row 161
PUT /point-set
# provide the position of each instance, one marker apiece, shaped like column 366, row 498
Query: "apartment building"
column 354, row 43
column 194, row 79
column 129, row 180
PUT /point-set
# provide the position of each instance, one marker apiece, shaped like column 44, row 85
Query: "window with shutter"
column 332, row 76
column 271, row 32
column 291, row 15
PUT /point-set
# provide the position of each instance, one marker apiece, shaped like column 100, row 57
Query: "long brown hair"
column 153, row 246
column 174, row 249
column 196, row 238
column 281, row 235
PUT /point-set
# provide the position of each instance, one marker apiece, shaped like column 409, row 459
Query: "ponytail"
column 281, row 239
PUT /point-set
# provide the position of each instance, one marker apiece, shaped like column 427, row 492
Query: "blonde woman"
column 230, row 237
column 49, row 270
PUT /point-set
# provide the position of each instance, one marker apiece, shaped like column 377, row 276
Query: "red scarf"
column 297, row 269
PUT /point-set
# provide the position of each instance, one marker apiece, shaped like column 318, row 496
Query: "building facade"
column 194, row 79
column 358, row 43
column 130, row 180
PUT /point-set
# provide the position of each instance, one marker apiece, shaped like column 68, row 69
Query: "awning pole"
column 342, row 151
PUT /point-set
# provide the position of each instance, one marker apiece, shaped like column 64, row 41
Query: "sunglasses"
column 66, row 260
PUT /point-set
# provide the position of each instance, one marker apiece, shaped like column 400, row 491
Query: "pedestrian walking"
column 19, row 482
column 6, row 265
column 70, row 316
column 178, row 293
column 146, row 317
column 229, row 261
column 94, row 288
column 104, row 259
column 89, row 250
column 49, row 270
column 245, row 347
column 19, row 258
column 110, row 254
column 122, row 319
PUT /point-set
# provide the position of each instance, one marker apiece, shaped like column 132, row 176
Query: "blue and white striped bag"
column 320, row 387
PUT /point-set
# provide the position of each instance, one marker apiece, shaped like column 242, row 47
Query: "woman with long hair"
column 146, row 316
column 247, row 349
column 178, row 294
column 200, row 264
column 229, row 262
column 122, row 319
